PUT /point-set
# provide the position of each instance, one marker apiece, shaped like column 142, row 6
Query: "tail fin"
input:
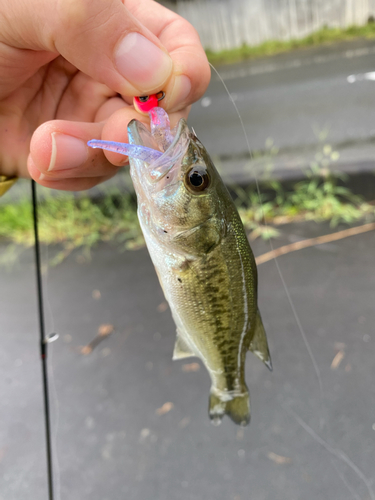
column 238, row 409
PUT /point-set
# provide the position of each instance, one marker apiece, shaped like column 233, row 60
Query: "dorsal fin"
column 181, row 349
column 259, row 344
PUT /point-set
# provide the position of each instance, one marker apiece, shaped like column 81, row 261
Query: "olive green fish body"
column 205, row 266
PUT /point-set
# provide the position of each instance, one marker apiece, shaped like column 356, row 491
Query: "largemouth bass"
column 202, row 257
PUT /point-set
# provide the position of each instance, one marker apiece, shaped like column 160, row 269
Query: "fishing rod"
column 43, row 345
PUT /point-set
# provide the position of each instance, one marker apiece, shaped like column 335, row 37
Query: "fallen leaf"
column 86, row 349
column 165, row 408
column 162, row 307
column 105, row 330
column 191, row 367
column 337, row 360
column 279, row 459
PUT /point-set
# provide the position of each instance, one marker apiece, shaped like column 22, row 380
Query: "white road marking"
column 361, row 76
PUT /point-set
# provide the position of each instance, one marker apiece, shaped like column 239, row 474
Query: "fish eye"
column 197, row 179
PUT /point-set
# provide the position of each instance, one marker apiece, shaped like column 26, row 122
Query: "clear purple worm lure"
column 139, row 152
column 160, row 130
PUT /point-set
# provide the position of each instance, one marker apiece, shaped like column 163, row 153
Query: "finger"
column 59, row 151
column 67, row 184
column 82, row 98
column 108, row 108
column 101, row 38
column 115, row 129
column 191, row 72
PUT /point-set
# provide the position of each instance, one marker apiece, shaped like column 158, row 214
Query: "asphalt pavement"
column 300, row 100
column 129, row 423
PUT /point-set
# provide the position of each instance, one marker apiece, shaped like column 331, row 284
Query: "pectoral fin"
column 181, row 349
column 259, row 344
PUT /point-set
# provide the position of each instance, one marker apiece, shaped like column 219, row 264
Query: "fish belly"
column 213, row 303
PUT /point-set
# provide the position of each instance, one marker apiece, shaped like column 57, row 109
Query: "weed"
column 272, row 47
column 74, row 223
column 82, row 222
column 321, row 196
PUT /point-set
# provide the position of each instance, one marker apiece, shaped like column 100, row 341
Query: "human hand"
column 69, row 70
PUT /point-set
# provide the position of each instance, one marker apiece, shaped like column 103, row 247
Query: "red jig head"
column 144, row 104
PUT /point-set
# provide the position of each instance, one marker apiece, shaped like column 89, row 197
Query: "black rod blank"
column 43, row 344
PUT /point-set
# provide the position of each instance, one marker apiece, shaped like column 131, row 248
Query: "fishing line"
column 334, row 451
column 43, row 344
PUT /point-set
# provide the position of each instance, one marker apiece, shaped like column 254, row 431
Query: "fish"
column 202, row 257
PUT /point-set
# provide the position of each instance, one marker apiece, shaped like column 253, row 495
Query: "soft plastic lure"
column 160, row 131
column 138, row 152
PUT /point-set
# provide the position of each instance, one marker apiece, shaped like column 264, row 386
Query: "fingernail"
column 67, row 152
column 142, row 63
column 180, row 92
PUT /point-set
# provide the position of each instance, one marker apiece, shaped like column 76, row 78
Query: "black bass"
column 201, row 254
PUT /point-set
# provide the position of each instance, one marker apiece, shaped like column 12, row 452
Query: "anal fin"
column 259, row 344
column 181, row 349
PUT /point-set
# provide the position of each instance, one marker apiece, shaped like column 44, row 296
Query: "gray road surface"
column 109, row 441
column 295, row 99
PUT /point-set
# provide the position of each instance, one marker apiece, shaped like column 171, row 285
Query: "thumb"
column 99, row 37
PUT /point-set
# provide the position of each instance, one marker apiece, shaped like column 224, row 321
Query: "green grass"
column 321, row 196
column 272, row 47
column 80, row 223
column 73, row 223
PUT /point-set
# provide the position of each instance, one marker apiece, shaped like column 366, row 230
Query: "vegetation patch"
column 323, row 195
column 73, row 222
column 273, row 47
column 320, row 197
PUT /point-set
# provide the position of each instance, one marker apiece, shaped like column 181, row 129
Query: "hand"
column 68, row 72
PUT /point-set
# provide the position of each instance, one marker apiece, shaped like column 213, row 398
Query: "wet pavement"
column 300, row 100
column 129, row 423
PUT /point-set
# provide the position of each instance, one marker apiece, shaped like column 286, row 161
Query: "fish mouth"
column 141, row 136
column 172, row 156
